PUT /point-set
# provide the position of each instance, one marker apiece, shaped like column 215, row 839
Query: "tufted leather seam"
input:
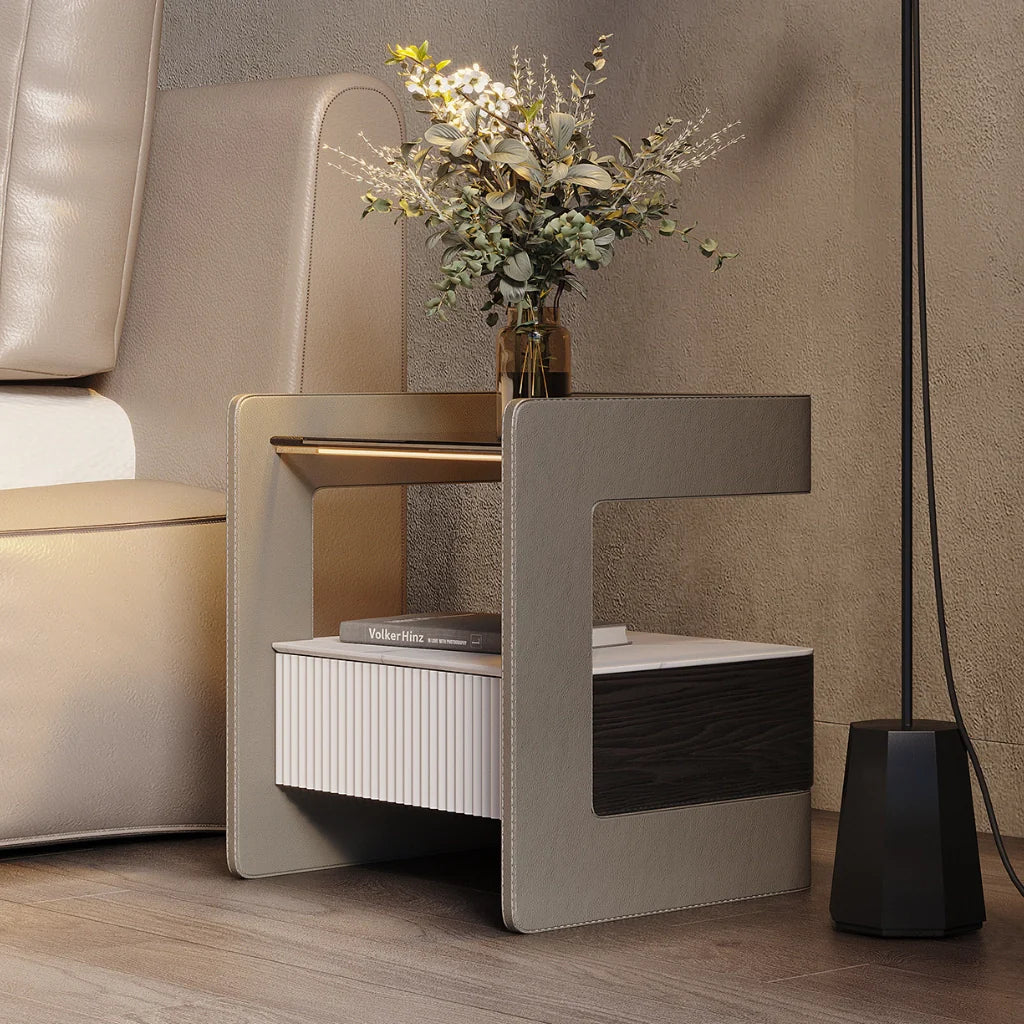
column 312, row 228
column 513, row 501
column 140, row 176
column 106, row 527
column 10, row 135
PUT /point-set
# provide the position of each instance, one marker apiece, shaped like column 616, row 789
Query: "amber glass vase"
column 534, row 357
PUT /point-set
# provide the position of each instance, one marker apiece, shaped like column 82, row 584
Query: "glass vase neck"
column 544, row 315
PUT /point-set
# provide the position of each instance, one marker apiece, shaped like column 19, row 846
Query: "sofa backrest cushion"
column 77, row 82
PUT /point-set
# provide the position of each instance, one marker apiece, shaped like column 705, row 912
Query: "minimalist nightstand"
column 565, row 859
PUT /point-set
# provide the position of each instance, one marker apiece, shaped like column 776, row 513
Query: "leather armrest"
column 254, row 270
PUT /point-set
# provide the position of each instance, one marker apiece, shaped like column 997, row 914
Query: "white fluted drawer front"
column 389, row 732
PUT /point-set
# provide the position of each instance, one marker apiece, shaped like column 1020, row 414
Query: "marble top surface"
column 645, row 652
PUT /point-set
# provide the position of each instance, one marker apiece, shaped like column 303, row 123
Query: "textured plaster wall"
column 811, row 199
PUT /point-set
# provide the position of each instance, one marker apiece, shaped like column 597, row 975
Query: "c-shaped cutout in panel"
column 683, row 720
column 562, row 863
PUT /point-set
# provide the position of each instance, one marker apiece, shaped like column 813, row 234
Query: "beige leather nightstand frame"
column 561, row 863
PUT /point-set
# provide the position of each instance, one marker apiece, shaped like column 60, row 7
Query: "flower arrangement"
column 511, row 186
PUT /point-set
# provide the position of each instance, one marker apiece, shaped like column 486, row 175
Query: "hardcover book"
column 479, row 632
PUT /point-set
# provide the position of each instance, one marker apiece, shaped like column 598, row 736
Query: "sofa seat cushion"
column 111, row 660
column 106, row 503
column 62, row 435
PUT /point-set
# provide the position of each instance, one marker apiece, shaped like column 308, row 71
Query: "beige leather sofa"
column 169, row 249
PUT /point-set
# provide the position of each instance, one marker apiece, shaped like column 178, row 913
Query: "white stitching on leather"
column 232, row 712
column 667, row 910
column 512, row 667
column 513, row 500
column 10, row 135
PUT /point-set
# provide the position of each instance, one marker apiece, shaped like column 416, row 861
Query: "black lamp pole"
column 906, row 861
column 907, row 107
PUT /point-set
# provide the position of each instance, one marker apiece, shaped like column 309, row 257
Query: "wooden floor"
column 157, row 932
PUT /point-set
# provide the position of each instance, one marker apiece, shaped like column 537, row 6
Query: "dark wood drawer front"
column 702, row 733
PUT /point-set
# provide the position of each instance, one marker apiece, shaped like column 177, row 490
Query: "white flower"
column 470, row 80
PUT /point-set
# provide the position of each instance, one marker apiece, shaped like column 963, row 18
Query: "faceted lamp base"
column 906, row 862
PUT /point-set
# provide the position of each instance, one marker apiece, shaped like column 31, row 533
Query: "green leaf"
column 442, row 134
column 511, row 152
column 708, row 246
column 511, row 292
column 530, row 112
column 492, row 319
column 518, row 267
column 528, row 171
column 667, row 226
column 663, row 173
column 556, row 172
column 501, row 200
column 589, row 176
column 562, row 127
column 722, row 257
column 442, row 65
column 458, row 147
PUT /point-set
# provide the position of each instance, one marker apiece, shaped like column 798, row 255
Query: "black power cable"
column 926, row 404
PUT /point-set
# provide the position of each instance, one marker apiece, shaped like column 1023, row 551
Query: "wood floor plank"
column 488, row 970
column 18, row 1009
column 71, row 989
column 28, row 881
column 464, row 886
column 890, row 996
column 159, row 933
column 309, row 994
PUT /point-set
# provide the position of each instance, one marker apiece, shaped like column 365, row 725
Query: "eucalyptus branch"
column 525, row 218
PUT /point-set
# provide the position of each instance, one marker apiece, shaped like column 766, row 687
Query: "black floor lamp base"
column 906, row 862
